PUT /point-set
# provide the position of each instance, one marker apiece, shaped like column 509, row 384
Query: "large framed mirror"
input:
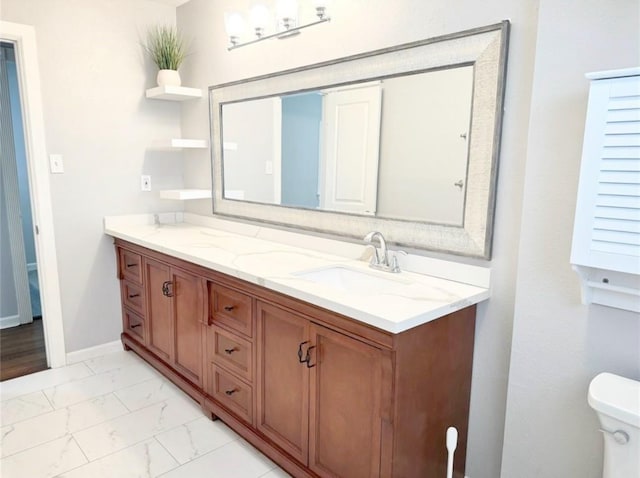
column 403, row 140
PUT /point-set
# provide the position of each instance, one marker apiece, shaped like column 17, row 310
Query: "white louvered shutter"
column 607, row 223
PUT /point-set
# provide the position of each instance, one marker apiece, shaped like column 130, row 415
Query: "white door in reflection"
column 349, row 172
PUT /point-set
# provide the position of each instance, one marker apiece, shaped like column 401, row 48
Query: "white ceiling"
column 173, row 3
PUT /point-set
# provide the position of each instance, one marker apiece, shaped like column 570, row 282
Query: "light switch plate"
column 56, row 164
column 145, row 183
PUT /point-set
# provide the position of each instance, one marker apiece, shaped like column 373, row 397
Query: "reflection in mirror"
column 403, row 140
column 394, row 148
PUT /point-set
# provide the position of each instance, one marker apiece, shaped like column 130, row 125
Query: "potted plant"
column 167, row 50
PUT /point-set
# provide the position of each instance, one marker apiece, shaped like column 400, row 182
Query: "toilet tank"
column 617, row 402
column 617, row 397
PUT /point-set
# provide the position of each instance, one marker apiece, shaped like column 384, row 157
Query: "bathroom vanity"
column 324, row 378
column 328, row 367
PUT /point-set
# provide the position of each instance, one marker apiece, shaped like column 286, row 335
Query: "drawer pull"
column 166, row 289
column 300, row 353
column 231, row 350
column 231, row 392
column 131, row 296
column 136, row 325
column 229, row 308
column 135, row 264
column 308, row 357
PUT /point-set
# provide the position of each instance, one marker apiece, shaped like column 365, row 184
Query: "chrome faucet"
column 381, row 259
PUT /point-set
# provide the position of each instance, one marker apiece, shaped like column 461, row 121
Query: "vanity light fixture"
column 286, row 22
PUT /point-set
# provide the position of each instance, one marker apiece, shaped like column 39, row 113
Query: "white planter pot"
column 168, row 78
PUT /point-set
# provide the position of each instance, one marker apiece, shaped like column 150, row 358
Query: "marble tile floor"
column 115, row 416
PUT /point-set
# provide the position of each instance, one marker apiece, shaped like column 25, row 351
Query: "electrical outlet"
column 145, row 183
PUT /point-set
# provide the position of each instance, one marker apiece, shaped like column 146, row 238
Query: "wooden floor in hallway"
column 22, row 350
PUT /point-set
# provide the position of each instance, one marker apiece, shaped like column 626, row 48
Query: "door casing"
column 24, row 39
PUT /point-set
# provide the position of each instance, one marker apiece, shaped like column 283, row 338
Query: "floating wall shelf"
column 185, row 194
column 178, row 143
column 173, row 93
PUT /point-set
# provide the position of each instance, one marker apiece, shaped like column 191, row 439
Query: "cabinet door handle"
column 230, row 351
column 308, row 357
column 134, row 326
column 229, row 308
column 300, row 352
column 166, row 289
column 231, row 392
column 135, row 264
column 131, row 296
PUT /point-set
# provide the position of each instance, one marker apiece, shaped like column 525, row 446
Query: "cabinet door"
column 159, row 321
column 345, row 415
column 188, row 310
column 283, row 382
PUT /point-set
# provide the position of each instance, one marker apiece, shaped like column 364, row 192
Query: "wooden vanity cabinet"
column 176, row 315
column 160, row 327
column 320, row 394
column 229, row 350
column 345, row 405
column 283, row 379
column 171, row 313
column 132, row 294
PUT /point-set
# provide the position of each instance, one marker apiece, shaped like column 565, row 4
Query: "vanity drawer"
column 230, row 351
column 133, row 324
column 231, row 392
column 130, row 266
column 230, row 308
column 133, row 296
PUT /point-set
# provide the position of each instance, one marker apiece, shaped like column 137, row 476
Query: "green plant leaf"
column 165, row 46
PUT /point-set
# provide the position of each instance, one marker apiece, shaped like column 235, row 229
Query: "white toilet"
column 617, row 402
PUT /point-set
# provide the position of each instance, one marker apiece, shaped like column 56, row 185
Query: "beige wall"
column 93, row 76
column 559, row 345
column 363, row 25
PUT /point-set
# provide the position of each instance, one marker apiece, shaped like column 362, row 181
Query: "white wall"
column 93, row 76
column 558, row 344
column 363, row 25
column 251, row 127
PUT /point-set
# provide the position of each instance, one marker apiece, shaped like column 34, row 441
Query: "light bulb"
column 321, row 7
column 234, row 23
column 259, row 19
column 287, row 12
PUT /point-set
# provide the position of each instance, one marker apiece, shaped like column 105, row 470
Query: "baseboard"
column 93, row 352
column 9, row 321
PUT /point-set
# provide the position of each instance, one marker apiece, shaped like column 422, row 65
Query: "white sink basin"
column 352, row 280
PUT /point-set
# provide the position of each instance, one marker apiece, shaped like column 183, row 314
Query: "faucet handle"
column 394, row 266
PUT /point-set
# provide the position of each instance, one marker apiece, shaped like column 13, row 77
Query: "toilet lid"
column 617, row 397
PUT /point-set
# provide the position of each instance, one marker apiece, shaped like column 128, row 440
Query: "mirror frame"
column 485, row 48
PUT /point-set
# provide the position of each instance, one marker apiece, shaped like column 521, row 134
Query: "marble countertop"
column 414, row 299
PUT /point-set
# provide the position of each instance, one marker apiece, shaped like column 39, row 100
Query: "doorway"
column 20, row 45
column 22, row 348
